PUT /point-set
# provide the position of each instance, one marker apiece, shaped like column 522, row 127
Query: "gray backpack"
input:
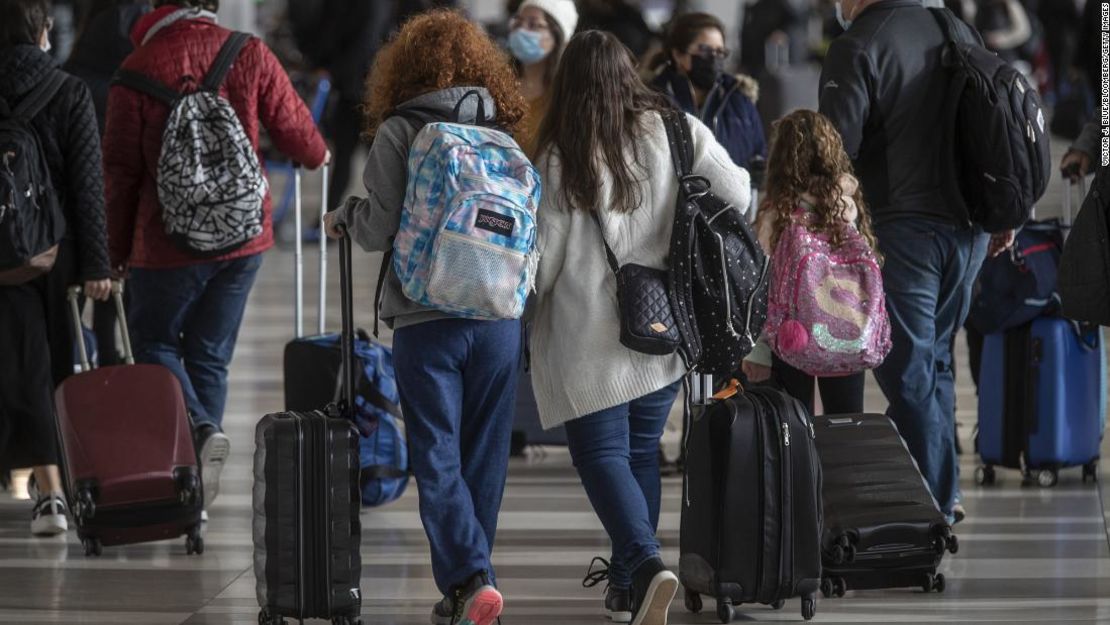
column 210, row 183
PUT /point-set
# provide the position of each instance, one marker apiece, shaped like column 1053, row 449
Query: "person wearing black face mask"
column 691, row 72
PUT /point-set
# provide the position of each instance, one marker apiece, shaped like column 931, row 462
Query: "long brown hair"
column 807, row 158
column 438, row 50
column 596, row 115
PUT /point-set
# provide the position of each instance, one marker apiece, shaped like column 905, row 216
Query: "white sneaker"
column 214, row 451
column 49, row 516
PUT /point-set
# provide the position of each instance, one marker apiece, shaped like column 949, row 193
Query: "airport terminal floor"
column 1027, row 555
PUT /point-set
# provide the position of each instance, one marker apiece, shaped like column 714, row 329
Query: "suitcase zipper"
column 300, row 515
column 786, row 511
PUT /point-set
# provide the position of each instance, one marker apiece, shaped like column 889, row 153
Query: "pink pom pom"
column 792, row 337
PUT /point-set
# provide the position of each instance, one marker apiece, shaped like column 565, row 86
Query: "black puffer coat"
column 68, row 133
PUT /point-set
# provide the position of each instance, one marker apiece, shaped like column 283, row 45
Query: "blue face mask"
column 527, row 46
column 844, row 22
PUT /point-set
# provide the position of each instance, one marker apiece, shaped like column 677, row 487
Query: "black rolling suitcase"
column 751, row 513
column 306, row 503
column 883, row 529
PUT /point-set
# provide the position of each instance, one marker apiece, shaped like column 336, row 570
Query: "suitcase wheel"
column 1047, row 478
column 833, row 587
column 984, row 475
column 264, row 618
column 809, row 606
column 194, row 542
column 1090, row 471
column 933, row 583
column 693, row 601
column 85, row 505
column 725, row 611
column 778, row 605
column 92, row 546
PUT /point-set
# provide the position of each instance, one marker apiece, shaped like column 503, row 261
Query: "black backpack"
column 997, row 126
column 718, row 274
column 31, row 219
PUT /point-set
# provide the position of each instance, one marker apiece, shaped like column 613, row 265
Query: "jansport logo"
column 495, row 223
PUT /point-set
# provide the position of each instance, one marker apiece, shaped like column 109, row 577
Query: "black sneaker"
column 653, row 589
column 49, row 516
column 213, row 448
column 443, row 612
column 477, row 602
column 617, row 600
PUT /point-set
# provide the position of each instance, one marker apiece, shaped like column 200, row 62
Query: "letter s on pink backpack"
column 826, row 311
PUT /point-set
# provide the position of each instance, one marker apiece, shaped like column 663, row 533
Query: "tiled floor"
column 1027, row 555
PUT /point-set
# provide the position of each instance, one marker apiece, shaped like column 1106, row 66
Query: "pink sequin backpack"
column 826, row 311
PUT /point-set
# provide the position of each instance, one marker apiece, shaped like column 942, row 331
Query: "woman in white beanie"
column 538, row 32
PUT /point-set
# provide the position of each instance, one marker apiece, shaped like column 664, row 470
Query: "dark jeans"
column 457, row 380
column 187, row 319
column 616, row 452
column 928, row 274
column 839, row 395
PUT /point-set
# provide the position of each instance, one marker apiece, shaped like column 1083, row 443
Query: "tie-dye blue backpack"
column 467, row 240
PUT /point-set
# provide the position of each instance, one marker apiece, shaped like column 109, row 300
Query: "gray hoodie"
column 373, row 221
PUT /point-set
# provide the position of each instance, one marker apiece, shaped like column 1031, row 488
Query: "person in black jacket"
column 36, row 347
column 691, row 73
column 884, row 88
column 102, row 44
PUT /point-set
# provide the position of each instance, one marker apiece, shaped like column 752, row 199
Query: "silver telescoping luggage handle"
column 298, row 255
column 72, row 294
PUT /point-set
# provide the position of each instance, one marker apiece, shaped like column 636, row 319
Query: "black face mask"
column 704, row 71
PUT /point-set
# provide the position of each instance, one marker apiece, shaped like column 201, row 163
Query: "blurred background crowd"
column 328, row 46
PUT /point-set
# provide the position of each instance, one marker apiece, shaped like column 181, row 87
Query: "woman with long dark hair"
column 608, row 177
column 690, row 71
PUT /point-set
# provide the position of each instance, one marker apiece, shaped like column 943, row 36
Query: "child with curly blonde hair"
column 810, row 182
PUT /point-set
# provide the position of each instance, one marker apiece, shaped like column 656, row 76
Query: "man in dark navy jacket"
column 884, row 88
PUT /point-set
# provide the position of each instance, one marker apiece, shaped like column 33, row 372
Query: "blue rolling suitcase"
column 1042, row 400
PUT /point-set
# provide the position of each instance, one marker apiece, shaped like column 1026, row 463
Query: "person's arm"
column 123, row 170
column 85, row 185
column 373, row 222
column 1016, row 35
column 284, row 113
column 729, row 182
column 845, row 96
column 1080, row 156
column 553, row 222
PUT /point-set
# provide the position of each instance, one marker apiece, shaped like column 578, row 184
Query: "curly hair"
column 438, row 50
column 807, row 158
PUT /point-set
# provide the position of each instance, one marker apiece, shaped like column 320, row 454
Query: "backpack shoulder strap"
column 224, row 60
column 40, row 96
column 678, row 136
column 145, row 84
column 944, row 20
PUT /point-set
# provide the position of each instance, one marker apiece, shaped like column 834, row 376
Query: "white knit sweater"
column 578, row 364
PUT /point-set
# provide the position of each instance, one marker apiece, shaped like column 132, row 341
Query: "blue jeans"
column 187, row 319
column 616, row 452
column 929, row 270
column 457, row 380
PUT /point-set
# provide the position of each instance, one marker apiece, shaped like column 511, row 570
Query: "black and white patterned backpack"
column 210, row 183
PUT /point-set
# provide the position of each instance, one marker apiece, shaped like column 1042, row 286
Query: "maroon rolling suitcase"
column 130, row 469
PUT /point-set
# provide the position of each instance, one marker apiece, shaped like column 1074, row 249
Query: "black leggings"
column 839, row 395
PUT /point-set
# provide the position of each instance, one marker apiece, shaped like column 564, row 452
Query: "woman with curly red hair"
column 456, row 376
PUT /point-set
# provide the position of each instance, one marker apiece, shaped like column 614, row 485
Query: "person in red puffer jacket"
column 185, row 310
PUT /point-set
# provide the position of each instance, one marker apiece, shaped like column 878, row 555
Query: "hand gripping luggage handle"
column 298, row 255
column 75, row 292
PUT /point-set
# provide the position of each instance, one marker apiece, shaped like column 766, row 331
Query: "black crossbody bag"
column 647, row 321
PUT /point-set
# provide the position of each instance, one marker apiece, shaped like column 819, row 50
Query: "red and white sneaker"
column 477, row 602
